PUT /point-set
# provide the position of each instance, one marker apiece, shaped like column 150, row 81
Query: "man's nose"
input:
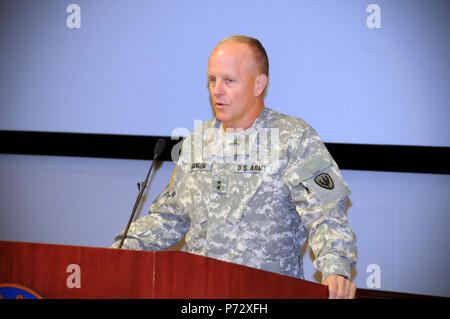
column 218, row 88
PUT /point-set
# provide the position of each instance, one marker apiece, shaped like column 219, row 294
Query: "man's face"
column 231, row 74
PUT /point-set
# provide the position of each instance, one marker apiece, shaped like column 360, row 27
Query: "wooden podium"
column 59, row 271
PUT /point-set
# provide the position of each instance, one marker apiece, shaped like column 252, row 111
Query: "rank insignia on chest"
column 249, row 168
column 220, row 184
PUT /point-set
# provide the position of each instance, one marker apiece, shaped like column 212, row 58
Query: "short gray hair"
column 259, row 52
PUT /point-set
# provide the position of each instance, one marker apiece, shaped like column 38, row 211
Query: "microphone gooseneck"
column 157, row 151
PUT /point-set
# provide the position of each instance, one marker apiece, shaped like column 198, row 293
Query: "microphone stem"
column 138, row 200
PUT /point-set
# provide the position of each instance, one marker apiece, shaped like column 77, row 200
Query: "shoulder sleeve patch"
column 321, row 178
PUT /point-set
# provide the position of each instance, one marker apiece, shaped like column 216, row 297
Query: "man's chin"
column 221, row 114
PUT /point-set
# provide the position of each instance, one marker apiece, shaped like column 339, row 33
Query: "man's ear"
column 260, row 84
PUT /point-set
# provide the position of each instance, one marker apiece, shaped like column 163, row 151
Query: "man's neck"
column 245, row 122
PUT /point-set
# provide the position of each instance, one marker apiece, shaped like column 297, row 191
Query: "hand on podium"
column 340, row 287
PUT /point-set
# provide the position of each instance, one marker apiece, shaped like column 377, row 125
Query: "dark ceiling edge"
column 368, row 157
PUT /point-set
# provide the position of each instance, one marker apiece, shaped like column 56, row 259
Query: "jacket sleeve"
column 320, row 196
column 164, row 226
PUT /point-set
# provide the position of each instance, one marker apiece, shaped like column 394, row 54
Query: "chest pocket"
column 193, row 190
column 242, row 188
column 316, row 181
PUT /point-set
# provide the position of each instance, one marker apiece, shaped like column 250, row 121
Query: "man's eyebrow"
column 209, row 75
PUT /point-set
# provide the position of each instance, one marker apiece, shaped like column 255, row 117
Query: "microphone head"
column 159, row 148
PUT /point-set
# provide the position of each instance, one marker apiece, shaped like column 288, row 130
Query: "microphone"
column 157, row 151
column 159, row 148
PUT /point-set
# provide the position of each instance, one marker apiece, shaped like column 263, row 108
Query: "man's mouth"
column 220, row 105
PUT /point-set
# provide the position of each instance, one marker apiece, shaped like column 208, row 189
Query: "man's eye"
column 229, row 81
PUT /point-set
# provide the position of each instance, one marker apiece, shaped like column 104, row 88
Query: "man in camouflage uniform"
column 252, row 183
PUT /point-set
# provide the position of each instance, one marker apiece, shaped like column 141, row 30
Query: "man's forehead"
column 230, row 55
column 232, row 49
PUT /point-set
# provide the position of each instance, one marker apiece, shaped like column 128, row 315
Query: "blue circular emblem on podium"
column 17, row 291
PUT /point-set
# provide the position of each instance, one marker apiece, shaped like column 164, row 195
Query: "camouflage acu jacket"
column 253, row 198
